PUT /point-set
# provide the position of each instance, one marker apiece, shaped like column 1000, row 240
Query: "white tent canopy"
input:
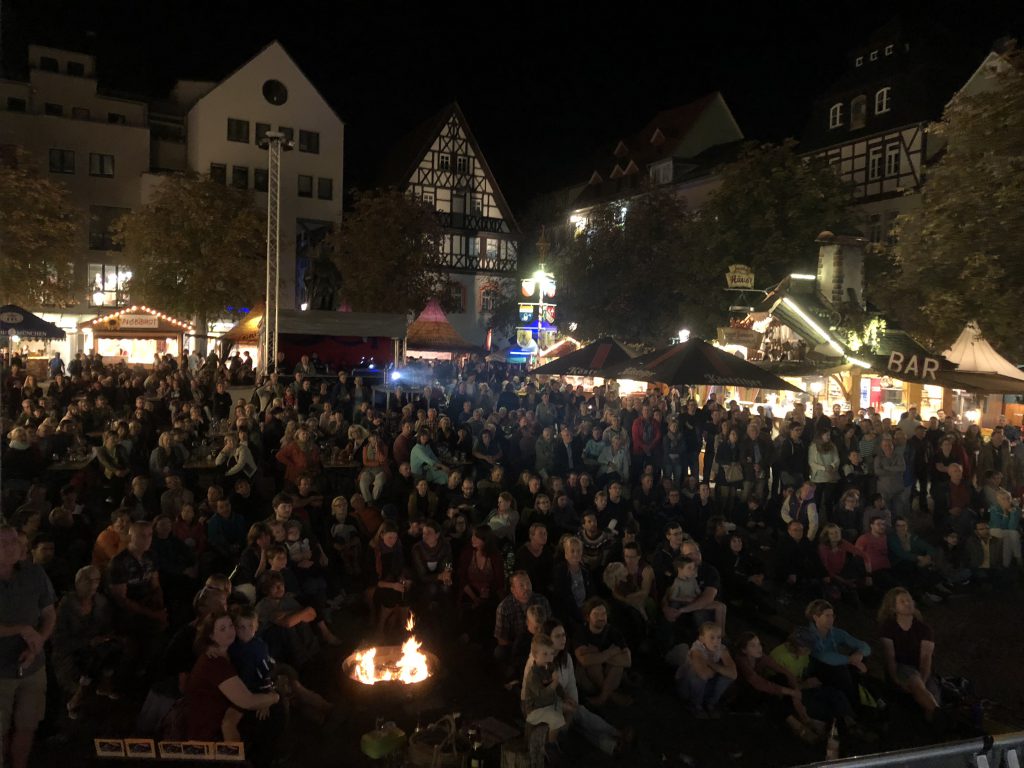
column 971, row 353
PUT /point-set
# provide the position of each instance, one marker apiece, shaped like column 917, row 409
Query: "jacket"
column 824, row 466
column 830, row 648
column 987, row 461
column 889, row 470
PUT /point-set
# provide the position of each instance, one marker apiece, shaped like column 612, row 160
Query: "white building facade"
column 111, row 152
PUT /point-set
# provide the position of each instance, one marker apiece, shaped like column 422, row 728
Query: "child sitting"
column 542, row 690
column 345, row 537
column 709, row 673
column 300, row 552
column 685, row 588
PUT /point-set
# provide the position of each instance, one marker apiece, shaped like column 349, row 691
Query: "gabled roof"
column 611, row 188
column 433, row 331
column 276, row 45
column 405, row 157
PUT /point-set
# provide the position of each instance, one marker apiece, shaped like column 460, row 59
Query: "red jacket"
column 639, row 446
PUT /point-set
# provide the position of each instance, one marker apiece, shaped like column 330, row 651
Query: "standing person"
column 890, row 466
column 908, row 644
column 27, row 619
column 823, row 459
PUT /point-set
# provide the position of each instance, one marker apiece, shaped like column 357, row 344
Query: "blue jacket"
column 1009, row 522
column 827, row 649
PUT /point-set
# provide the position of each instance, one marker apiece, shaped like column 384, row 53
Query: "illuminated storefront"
column 134, row 335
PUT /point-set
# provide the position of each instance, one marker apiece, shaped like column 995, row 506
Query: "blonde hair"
column 541, row 641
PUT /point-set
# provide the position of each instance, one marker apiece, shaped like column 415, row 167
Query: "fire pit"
column 402, row 669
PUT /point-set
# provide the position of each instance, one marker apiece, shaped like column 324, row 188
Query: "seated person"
column 510, row 617
column 345, row 539
column 685, row 589
column 758, row 675
column 542, row 692
column 597, row 544
column 908, row 646
column 535, row 558
column 837, row 658
column 571, row 584
column 214, row 687
column 603, row 654
column 286, row 626
column 985, row 556
column 797, row 567
column 843, row 564
column 708, row 674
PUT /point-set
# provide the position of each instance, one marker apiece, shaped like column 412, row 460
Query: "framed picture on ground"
column 229, row 751
column 144, row 749
column 109, row 747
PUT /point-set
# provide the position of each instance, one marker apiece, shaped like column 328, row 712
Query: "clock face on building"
column 275, row 92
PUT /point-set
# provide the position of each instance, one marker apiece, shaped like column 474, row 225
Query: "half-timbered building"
column 870, row 125
column 441, row 163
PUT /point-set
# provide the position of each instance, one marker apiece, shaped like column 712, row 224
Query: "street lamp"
column 274, row 142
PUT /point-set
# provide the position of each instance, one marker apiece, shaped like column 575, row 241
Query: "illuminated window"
column 835, row 116
column 107, row 285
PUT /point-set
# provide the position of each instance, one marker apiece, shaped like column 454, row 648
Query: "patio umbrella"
column 592, row 360
column 696, row 362
column 15, row 321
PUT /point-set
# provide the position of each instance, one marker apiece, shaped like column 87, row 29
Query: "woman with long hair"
column 481, row 583
column 593, row 727
column 392, row 582
column 214, row 688
column 908, row 644
column 843, row 563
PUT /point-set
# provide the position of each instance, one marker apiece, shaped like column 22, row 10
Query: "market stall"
column 134, row 335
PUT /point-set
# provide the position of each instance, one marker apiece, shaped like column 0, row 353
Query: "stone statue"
column 322, row 280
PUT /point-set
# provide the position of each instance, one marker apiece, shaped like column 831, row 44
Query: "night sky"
column 544, row 86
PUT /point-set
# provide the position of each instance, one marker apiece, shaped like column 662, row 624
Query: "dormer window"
column 874, row 55
column 882, row 100
column 889, row 49
column 859, row 61
column 835, row 116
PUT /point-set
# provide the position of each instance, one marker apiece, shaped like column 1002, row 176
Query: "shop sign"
column 138, row 321
column 741, row 337
column 740, row 276
column 918, row 366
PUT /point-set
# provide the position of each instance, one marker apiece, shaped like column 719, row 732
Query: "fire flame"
column 411, row 667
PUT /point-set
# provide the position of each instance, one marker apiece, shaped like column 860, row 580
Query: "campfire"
column 392, row 663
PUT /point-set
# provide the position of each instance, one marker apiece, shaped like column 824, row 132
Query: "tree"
column 957, row 257
column 389, row 252
column 628, row 273
column 768, row 212
column 39, row 229
column 196, row 248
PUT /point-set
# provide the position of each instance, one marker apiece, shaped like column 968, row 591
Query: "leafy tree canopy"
column 39, row 231
column 389, row 252
column 768, row 212
column 196, row 248
column 958, row 256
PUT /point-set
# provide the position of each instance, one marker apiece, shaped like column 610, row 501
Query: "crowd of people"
column 164, row 539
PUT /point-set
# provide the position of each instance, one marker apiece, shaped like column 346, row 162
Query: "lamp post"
column 274, row 142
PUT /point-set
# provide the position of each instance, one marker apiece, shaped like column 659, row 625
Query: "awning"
column 15, row 321
column 595, row 359
column 980, row 383
column 696, row 362
column 972, row 352
column 138, row 320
